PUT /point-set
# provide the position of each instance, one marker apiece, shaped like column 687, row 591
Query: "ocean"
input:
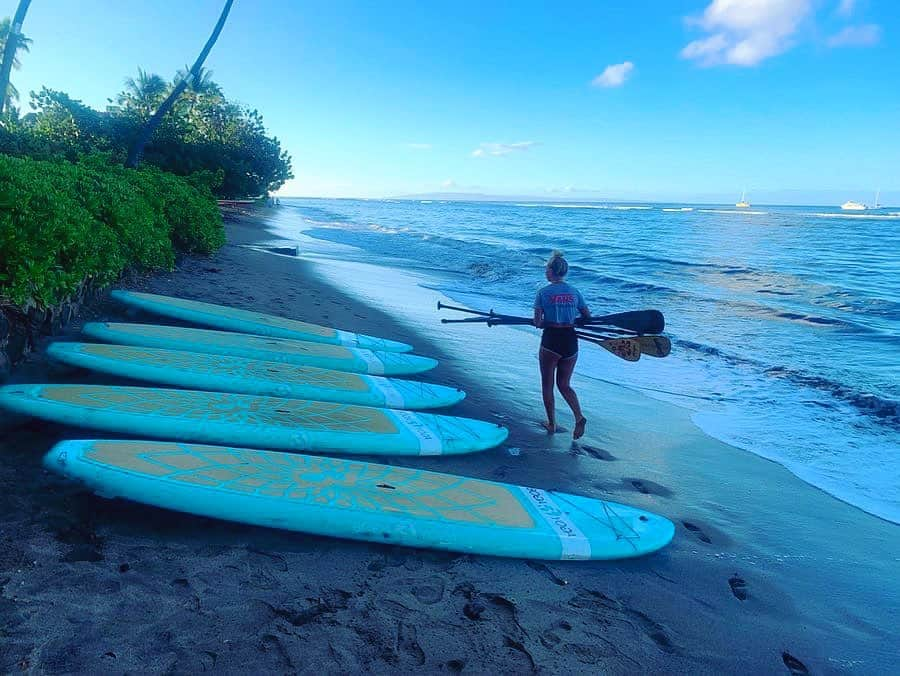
column 785, row 321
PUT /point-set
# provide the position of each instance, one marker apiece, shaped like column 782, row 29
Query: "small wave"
column 681, row 209
column 877, row 217
column 733, row 211
column 616, row 207
column 809, row 319
column 576, row 206
column 424, row 201
column 885, row 410
column 563, row 206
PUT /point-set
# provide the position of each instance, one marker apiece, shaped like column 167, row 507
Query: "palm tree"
column 137, row 149
column 201, row 83
column 12, row 41
column 144, row 93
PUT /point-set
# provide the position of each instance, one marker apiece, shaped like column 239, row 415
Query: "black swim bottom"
column 561, row 341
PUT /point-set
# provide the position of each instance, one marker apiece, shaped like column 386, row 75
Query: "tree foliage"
column 204, row 132
column 63, row 224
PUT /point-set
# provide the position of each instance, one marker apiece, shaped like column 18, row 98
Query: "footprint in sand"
column 795, row 666
column 429, row 591
column 738, row 587
column 542, row 568
column 456, row 666
column 648, row 487
column 697, row 531
column 592, row 451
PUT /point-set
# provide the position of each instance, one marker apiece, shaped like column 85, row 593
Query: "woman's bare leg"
column 564, row 371
column 548, row 361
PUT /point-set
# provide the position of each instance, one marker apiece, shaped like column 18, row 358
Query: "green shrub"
column 63, row 224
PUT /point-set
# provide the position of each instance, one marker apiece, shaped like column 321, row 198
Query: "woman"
column 556, row 308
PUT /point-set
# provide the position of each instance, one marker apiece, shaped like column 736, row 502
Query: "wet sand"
column 766, row 574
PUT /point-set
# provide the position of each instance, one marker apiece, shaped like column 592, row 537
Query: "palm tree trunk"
column 136, row 154
column 9, row 51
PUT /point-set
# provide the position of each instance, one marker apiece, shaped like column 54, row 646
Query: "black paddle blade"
column 639, row 321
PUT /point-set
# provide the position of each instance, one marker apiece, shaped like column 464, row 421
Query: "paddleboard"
column 247, row 321
column 259, row 422
column 335, row 357
column 362, row 501
column 252, row 376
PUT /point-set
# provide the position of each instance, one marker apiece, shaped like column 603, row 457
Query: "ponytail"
column 557, row 265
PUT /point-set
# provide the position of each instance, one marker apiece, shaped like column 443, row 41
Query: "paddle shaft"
column 638, row 321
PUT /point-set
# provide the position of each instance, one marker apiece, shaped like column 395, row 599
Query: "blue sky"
column 648, row 99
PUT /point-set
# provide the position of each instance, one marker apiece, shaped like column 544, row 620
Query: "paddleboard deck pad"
column 335, row 357
column 259, row 422
column 247, row 321
column 251, row 376
column 362, row 501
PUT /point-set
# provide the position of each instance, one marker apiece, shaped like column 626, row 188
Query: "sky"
column 683, row 100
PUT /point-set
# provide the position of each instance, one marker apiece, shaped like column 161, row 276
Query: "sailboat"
column 850, row 205
column 743, row 204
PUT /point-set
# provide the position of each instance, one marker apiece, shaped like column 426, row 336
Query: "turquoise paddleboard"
column 360, row 500
column 246, row 321
column 335, row 357
column 251, row 376
column 246, row 420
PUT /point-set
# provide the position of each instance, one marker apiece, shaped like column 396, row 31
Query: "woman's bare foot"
column 578, row 432
column 549, row 426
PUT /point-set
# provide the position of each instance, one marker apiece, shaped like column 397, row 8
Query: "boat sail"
column 743, row 204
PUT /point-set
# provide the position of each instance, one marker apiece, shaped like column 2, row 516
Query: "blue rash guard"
column 561, row 302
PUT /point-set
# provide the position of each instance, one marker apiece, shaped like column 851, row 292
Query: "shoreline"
column 254, row 598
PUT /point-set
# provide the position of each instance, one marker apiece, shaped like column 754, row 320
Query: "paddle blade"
column 652, row 346
column 639, row 321
column 624, row 348
column 655, row 346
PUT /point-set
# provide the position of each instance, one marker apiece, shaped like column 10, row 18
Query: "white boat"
column 850, row 205
column 743, row 204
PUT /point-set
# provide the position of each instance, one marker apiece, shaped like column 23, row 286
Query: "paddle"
column 485, row 315
column 652, row 346
column 624, row 348
column 638, row 321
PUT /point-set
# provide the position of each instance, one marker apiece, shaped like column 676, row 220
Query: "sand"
column 766, row 574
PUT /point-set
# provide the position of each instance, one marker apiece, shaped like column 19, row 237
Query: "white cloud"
column 864, row 35
column 745, row 32
column 419, row 146
column 500, row 149
column 846, row 7
column 449, row 183
column 614, row 75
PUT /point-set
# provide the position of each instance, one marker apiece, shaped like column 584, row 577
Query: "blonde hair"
column 557, row 265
